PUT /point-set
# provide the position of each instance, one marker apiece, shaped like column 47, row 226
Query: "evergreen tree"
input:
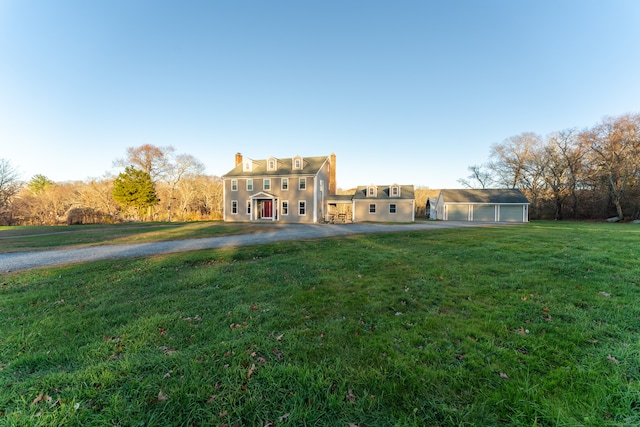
column 134, row 188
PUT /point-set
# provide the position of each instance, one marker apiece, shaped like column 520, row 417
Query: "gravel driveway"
column 24, row 260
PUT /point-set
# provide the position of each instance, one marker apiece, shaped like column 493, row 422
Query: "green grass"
column 33, row 238
column 522, row 325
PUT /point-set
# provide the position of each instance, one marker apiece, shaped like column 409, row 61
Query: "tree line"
column 157, row 184
column 588, row 174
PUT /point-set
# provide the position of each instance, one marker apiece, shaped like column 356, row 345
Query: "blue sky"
column 408, row 92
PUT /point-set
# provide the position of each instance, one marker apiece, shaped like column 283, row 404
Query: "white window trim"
column 234, row 185
column 284, row 210
column 300, row 181
column 249, row 182
column 305, row 207
column 297, row 163
column 395, row 189
column 248, row 207
column 282, row 187
column 375, row 208
column 272, row 164
column 234, row 204
column 395, row 208
column 264, row 184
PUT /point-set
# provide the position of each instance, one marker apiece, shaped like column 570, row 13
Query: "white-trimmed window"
column 234, row 207
column 297, row 163
column 372, row 192
column 393, row 208
column 249, row 184
column 372, row 208
column 284, row 184
column 302, row 184
column 395, row 191
column 234, row 185
column 266, row 184
column 272, row 164
column 247, row 166
column 248, row 207
column 285, row 207
column 302, row 208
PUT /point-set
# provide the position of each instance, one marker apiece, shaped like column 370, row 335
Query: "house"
column 491, row 205
column 384, row 203
column 292, row 190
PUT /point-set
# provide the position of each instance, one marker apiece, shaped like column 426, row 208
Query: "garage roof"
column 490, row 195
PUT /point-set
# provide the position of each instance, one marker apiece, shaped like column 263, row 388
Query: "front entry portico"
column 264, row 207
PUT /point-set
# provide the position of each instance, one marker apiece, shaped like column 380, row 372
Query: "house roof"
column 339, row 198
column 490, row 195
column 311, row 166
column 406, row 192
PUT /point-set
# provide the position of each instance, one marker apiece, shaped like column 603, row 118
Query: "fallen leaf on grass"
column 604, row 294
column 253, row 368
column 277, row 353
column 503, row 375
column 161, row 397
column 37, row 399
column 212, row 398
column 168, row 351
column 279, row 337
column 350, row 396
column 237, row 325
column 162, row 331
column 612, row 359
column 254, row 308
column 284, row 417
column 223, row 413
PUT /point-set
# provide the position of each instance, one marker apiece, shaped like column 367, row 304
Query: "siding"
column 404, row 210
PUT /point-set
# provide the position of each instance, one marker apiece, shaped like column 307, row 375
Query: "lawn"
column 526, row 325
column 28, row 238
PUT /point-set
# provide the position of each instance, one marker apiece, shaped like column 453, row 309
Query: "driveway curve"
column 25, row 260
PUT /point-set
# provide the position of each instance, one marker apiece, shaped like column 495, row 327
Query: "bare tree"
column 183, row 165
column 614, row 154
column 9, row 187
column 148, row 158
column 480, row 177
column 513, row 161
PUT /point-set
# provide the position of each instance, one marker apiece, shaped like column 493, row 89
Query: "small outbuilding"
column 486, row 205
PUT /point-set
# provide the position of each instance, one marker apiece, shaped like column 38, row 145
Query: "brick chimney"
column 332, row 175
column 238, row 159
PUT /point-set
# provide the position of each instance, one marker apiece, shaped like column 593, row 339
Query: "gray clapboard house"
column 486, row 205
column 291, row 190
column 303, row 190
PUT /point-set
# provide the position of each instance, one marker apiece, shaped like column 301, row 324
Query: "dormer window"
column 272, row 164
column 395, row 191
column 297, row 163
column 372, row 191
column 247, row 166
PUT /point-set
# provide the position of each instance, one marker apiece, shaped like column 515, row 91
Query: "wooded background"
column 588, row 174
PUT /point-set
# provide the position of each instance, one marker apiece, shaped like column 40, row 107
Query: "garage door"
column 458, row 212
column 511, row 213
column 484, row 213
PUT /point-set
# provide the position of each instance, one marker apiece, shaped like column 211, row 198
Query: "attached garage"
column 488, row 205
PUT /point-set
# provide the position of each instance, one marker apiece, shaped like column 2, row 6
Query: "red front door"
column 267, row 209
